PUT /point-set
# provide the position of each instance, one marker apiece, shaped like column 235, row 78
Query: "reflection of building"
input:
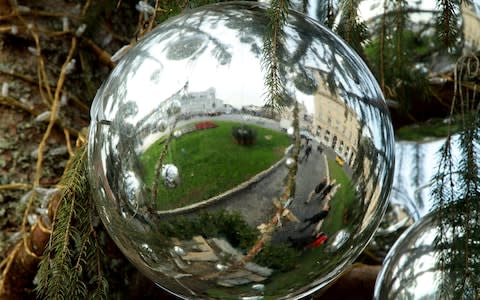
column 304, row 120
column 471, row 25
column 334, row 122
column 181, row 105
column 200, row 102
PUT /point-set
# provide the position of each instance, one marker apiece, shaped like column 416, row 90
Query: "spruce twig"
column 159, row 164
column 272, row 45
column 447, row 23
column 456, row 192
column 71, row 258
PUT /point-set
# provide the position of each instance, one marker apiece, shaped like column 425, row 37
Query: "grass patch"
column 210, row 163
column 435, row 128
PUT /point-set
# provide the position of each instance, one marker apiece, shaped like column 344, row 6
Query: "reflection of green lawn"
column 210, row 163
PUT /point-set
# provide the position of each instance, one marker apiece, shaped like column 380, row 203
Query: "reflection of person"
column 309, row 241
column 327, row 189
column 329, row 195
column 316, row 217
column 319, row 188
column 319, row 149
column 308, row 150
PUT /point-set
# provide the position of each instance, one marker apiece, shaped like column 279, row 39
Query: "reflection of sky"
column 476, row 5
column 369, row 9
column 413, row 183
column 240, row 81
column 211, row 51
column 176, row 73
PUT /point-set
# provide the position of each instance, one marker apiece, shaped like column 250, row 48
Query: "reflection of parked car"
column 340, row 161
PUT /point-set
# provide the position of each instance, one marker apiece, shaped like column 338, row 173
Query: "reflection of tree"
column 407, row 271
column 194, row 26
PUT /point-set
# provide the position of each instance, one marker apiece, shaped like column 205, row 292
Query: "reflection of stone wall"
column 335, row 123
column 471, row 25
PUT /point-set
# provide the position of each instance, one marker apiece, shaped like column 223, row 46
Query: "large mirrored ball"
column 237, row 222
column 436, row 258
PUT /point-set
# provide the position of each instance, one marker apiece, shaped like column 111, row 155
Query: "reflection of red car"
column 320, row 240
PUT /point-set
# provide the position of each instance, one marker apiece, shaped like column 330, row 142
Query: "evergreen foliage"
column 457, row 193
column 272, row 46
column 71, row 266
column 447, row 23
column 281, row 257
column 244, row 135
column 398, row 53
column 350, row 28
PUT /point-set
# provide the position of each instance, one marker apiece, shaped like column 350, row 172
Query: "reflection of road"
column 255, row 202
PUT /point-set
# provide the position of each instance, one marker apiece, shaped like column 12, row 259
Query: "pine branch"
column 400, row 20
column 457, row 193
column 159, row 164
column 350, row 28
column 447, row 22
column 64, row 267
column 272, row 45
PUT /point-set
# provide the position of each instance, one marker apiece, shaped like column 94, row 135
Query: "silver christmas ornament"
column 289, row 162
column 241, row 218
column 170, row 175
column 436, row 258
column 291, row 131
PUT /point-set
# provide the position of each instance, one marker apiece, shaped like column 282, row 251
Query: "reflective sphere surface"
column 421, row 37
column 428, row 261
column 396, row 220
column 238, row 222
